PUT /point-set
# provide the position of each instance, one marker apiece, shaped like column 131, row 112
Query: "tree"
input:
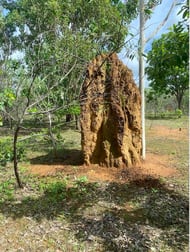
column 145, row 10
column 167, row 67
column 56, row 39
column 15, row 101
column 141, row 73
column 54, row 33
column 101, row 22
column 24, row 95
column 168, row 60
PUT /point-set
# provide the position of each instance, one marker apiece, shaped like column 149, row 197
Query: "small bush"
column 178, row 113
column 6, row 151
column 56, row 191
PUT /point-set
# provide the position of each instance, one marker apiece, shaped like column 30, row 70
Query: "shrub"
column 6, row 151
column 178, row 113
column 56, row 191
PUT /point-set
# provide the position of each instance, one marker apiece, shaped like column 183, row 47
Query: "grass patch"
column 67, row 213
column 173, row 123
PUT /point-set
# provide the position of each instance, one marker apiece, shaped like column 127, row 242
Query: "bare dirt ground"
column 155, row 165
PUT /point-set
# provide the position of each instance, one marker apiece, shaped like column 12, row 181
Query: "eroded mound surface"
column 110, row 114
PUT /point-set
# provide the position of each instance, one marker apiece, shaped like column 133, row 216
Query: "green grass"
column 175, row 123
column 73, row 214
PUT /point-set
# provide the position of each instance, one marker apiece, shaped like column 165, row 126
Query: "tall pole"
column 141, row 75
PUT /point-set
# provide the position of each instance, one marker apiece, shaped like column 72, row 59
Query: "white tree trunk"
column 141, row 75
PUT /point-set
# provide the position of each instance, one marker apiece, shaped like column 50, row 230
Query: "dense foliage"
column 54, row 41
column 167, row 68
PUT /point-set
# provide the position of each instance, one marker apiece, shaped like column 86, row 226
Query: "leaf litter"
column 112, row 210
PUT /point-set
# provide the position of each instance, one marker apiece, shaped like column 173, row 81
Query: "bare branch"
column 52, row 87
column 162, row 23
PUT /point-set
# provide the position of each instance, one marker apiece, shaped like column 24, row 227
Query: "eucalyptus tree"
column 145, row 10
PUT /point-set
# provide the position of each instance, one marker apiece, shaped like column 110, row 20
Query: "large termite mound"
column 110, row 114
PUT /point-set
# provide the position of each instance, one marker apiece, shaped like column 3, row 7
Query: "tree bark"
column 68, row 117
column 53, row 140
column 77, row 123
column 15, row 157
column 179, row 101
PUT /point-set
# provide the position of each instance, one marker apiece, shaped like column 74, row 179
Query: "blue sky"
column 157, row 17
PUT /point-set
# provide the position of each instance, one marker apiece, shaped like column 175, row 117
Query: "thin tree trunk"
column 53, row 140
column 141, row 75
column 15, row 157
column 68, row 117
column 77, row 124
column 179, row 101
column 179, row 104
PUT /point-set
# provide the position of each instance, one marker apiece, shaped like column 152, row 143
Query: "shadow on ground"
column 62, row 156
column 123, row 217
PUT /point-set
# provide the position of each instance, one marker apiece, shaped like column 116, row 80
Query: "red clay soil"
column 155, row 165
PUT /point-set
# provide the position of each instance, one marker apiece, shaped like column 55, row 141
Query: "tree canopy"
column 56, row 36
column 167, row 68
column 54, row 40
column 101, row 22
